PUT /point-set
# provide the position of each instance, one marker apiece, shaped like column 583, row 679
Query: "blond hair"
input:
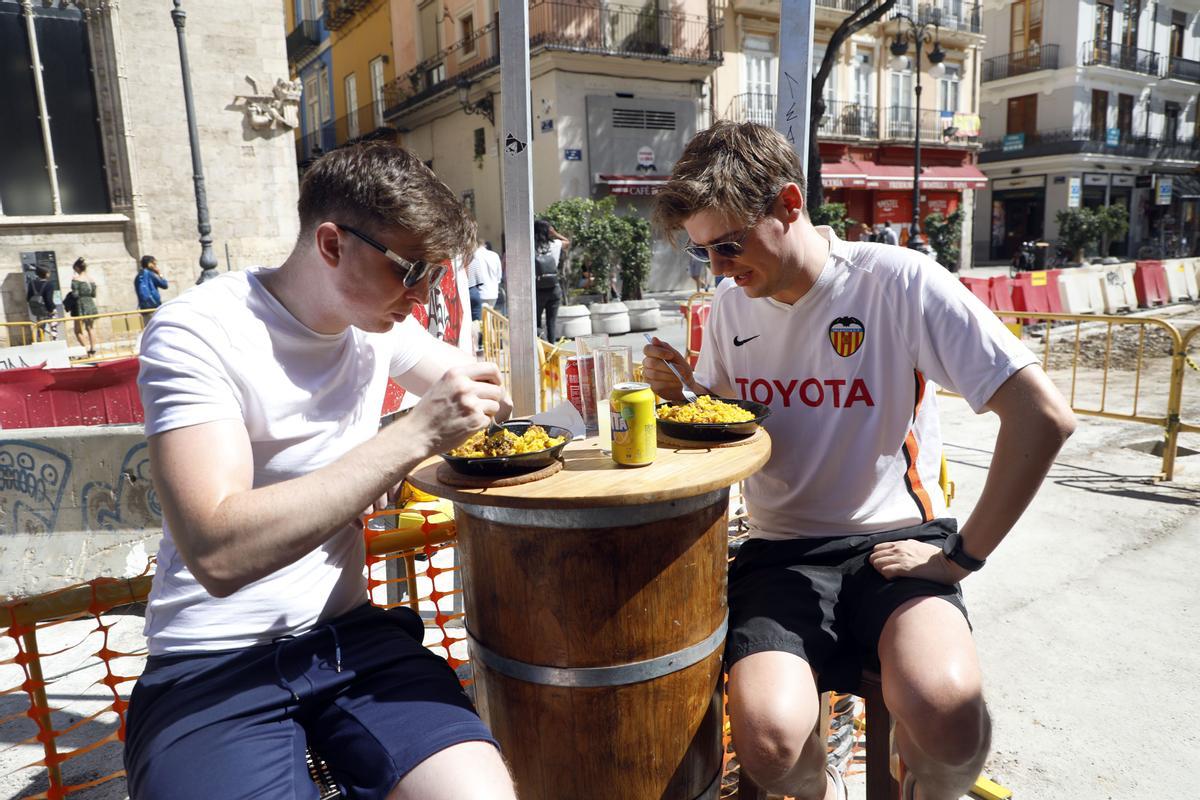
column 734, row 168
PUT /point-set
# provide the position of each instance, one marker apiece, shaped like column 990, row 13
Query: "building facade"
column 617, row 91
column 867, row 134
column 1085, row 105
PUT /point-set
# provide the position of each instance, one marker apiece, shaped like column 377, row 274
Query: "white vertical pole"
column 516, row 183
column 795, row 74
column 43, row 114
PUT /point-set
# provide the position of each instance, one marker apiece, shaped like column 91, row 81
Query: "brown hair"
column 374, row 186
column 735, row 168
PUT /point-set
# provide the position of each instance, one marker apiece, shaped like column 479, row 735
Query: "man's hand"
column 912, row 559
column 459, row 404
column 659, row 376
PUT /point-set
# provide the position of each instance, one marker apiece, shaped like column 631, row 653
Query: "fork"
column 688, row 394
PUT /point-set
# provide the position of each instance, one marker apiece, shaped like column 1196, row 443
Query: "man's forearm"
column 256, row 532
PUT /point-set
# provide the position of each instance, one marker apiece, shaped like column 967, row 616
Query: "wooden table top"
column 590, row 478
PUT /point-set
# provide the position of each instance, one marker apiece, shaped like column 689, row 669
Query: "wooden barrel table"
column 596, row 614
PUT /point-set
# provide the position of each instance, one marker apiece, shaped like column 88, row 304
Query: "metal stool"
column 880, row 783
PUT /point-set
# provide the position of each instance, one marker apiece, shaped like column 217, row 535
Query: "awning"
column 634, row 185
column 1186, row 187
column 869, row 175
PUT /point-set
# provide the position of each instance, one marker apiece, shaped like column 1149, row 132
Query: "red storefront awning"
column 634, row 185
column 869, row 175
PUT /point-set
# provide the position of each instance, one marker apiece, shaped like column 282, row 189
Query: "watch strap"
column 953, row 550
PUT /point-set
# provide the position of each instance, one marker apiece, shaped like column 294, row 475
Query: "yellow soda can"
column 634, row 427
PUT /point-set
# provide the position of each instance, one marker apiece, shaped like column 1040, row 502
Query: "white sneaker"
column 839, row 786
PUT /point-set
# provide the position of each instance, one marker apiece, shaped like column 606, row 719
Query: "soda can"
column 634, row 427
column 580, row 377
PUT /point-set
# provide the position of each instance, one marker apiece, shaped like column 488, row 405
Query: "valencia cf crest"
column 846, row 334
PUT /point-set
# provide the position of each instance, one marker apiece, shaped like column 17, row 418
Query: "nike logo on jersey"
column 739, row 342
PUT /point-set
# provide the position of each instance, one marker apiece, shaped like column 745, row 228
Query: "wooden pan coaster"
column 447, row 475
column 691, row 444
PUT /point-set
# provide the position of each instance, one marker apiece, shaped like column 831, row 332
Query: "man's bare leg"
column 933, row 688
column 774, row 709
column 467, row 771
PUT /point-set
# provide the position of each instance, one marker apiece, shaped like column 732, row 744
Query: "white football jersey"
column 849, row 372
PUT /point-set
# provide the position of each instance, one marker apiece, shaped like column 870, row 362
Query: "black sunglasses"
column 729, row 249
column 414, row 271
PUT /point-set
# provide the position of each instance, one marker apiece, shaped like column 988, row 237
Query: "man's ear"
column 328, row 243
column 790, row 202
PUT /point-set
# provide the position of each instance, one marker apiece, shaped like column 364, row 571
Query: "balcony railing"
column 339, row 12
column 752, row 107
column 845, row 120
column 840, row 5
column 1065, row 141
column 303, row 39
column 354, row 127
column 900, row 124
column 1035, row 58
column 1183, row 69
column 952, row 15
column 647, row 34
column 1114, row 54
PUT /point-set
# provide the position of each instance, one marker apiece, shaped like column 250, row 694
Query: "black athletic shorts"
column 822, row 600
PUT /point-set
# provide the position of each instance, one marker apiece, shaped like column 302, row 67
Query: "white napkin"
column 564, row 415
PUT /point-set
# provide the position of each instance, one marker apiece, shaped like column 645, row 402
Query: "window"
column 1133, row 13
column 351, row 82
column 1025, row 25
column 480, row 143
column 1022, row 115
column 1104, row 22
column 466, row 34
column 1178, row 27
column 311, row 9
column 323, row 88
column 377, row 82
column 759, row 79
column 864, row 78
column 830, row 92
column 312, row 106
column 430, row 30
column 1099, row 114
column 1125, row 116
column 70, row 178
column 948, row 89
column 1171, row 114
column 901, row 115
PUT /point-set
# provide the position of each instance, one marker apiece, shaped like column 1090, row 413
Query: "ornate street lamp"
column 208, row 261
column 920, row 33
column 483, row 106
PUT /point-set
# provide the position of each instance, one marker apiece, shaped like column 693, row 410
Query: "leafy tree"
column 1113, row 222
column 833, row 215
column 866, row 14
column 1079, row 229
column 604, row 244
column 944, row 234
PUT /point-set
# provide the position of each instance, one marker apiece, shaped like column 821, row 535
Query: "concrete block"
column 75, row 503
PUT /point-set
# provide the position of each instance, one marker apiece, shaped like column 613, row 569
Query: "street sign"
column 570, row 154
column 1163, row 196
column 1014, row 142
column 1074, row 192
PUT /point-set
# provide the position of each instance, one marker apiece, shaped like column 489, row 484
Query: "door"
column 1125, row 116
column 1099, row 114
column 377, row 91
column 759, row 80
column 351, row 84
column 1022, row 116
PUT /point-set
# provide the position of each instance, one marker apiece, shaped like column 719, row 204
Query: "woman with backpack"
column 548, row 247
column 83, row 290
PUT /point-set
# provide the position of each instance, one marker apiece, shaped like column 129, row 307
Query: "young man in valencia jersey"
column 852, row 561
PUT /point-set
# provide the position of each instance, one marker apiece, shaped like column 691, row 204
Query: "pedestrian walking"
column 147, row 283
column 82, row 305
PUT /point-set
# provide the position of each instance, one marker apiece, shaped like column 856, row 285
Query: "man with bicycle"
column 852, row 561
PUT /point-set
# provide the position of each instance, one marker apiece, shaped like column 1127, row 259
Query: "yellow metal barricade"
column 17, row 334
column 116, row 333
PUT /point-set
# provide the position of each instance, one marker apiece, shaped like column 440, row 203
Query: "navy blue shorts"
column 821, row 599
column 236, row 724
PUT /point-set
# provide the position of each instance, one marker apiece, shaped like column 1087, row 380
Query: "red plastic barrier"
column 1026, row 296
column 700, row 314
column 1001, row 293
column 981, row 288
column 1052, row 293
column 34, row 397
column 1150, row 283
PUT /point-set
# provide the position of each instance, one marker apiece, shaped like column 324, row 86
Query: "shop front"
column 1018, row 214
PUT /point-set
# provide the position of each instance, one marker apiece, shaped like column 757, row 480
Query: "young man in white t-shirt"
column 852, row 562
column 262, row 391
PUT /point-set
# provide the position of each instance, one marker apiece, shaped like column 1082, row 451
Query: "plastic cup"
column 613, row 364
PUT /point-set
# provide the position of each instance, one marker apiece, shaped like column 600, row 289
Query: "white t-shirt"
column 849, row 373
column 229, row 350
column 485, row 272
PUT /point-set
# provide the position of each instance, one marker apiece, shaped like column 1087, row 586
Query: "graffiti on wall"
column 128, row 502
column 33, row 479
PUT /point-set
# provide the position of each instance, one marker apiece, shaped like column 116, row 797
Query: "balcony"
column 1033, row 59
column 951, row 15
column 845, row 120
column 1119, row 56
column 900, row 125
column 663, row 36
column 1183, row 69
column 303, row 39
column 339, row 12
column 840, row 5
column 752, row 107
column 358, row 126
column 1069, row 141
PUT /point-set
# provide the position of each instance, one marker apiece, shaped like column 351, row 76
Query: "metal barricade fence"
column 116, row 332
column 17, row 334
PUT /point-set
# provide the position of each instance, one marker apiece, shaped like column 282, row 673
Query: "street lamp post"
column 920, row 33
column 208, row 261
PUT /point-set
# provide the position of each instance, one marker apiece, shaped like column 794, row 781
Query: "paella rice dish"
column 506, row 443
column 706, row 410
